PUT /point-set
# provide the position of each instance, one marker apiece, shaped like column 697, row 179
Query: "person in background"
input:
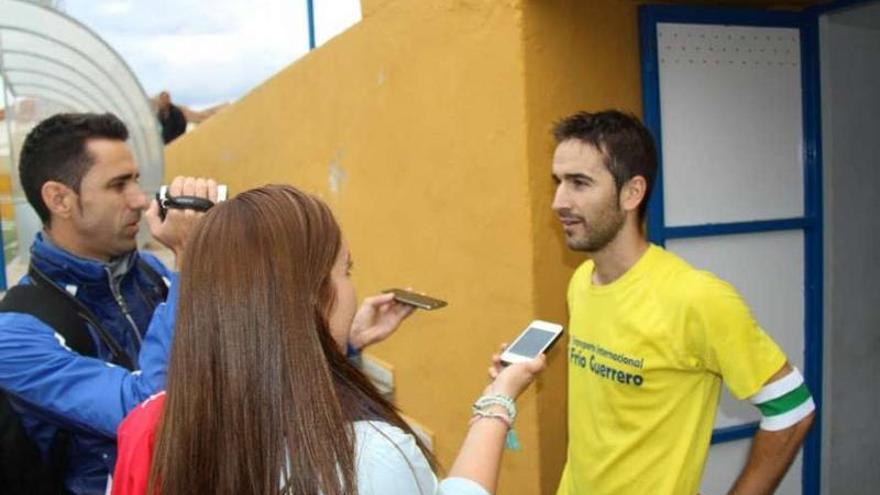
column 171, row 118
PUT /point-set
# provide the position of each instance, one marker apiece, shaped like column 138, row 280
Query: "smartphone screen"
column 532, row 342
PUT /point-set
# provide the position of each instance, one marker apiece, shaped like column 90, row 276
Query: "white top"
column 389, row 461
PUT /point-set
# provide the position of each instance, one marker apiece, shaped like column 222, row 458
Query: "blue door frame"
column 810, row 223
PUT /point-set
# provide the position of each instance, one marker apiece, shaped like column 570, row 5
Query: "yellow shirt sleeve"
column 734, row 345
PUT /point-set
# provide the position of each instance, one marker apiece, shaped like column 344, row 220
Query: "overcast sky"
column 207, row 52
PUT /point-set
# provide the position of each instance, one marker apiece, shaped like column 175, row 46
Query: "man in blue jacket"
column 80, row 176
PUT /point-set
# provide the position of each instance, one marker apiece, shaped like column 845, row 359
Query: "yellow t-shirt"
column 646, row 357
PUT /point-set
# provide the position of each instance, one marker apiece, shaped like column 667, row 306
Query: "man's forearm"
column 771, row 455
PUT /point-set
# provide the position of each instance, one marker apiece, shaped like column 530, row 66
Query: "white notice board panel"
column 731, row 114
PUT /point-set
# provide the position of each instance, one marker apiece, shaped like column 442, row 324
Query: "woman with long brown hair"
column 261, row 398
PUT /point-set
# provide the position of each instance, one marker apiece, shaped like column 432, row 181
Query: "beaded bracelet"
column 480, row 410
column 484, row 414
column 504, row 401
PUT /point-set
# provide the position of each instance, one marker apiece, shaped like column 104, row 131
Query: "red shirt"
column 137, row 436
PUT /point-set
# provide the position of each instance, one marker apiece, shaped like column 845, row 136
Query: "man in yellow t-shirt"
column 652, row 338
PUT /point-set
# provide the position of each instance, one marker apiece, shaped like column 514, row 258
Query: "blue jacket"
column 53, row 387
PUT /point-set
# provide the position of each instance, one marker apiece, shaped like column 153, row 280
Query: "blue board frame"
column 810, row 223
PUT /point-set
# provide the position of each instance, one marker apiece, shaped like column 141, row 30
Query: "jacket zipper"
column 124, row 308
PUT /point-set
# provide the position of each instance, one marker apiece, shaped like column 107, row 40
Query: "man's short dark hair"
column 56, row 150
column 625, row 142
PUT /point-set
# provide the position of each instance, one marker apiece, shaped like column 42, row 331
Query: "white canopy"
column 50, row 62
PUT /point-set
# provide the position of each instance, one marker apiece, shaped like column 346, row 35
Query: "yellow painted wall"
column 418, row 113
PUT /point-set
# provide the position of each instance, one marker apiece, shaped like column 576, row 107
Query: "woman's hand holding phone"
column 376, row 319
column 511, row 380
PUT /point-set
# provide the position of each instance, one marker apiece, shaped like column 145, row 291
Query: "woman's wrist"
column 500, row 409
column 502, row 401
column 499, row 388
column 499, row 418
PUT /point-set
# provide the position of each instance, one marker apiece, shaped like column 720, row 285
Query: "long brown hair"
column 260, row 399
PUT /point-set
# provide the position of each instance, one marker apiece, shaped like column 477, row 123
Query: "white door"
column 728, row 95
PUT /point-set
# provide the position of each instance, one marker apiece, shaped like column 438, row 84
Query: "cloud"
column 114, row 8
column 206, row 52
column 334, row 16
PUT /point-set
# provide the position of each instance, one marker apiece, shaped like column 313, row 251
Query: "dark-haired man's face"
column 110, row 202
column 586, row 201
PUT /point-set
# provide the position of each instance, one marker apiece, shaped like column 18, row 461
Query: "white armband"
column 784, row 402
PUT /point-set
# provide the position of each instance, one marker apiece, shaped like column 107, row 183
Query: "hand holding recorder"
column 172, row 230
column 169, row 202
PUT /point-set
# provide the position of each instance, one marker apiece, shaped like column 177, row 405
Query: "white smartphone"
column 534, row 340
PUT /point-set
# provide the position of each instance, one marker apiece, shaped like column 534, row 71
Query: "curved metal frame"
column 143, row 140
column 99, row 102
column 26, row 89
column 55, row 58
column 96, row 100
column 68, row 67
